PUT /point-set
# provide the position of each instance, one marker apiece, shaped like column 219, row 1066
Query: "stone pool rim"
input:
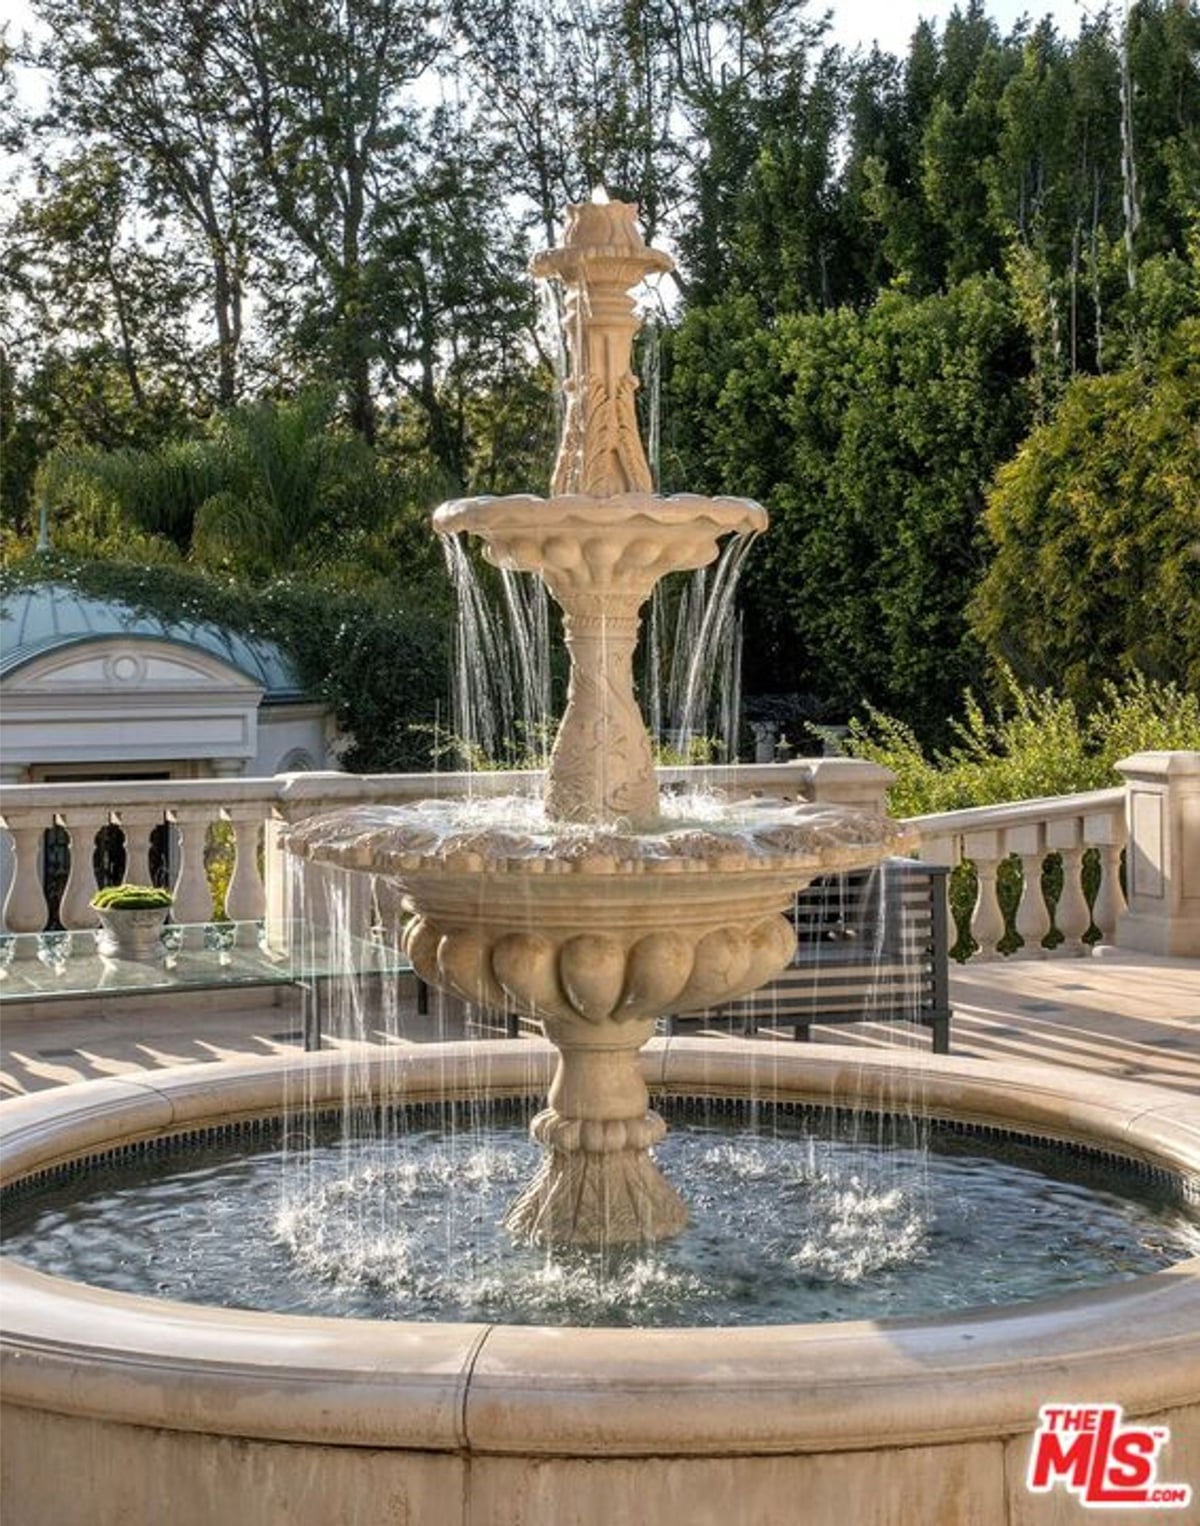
column 83, row 1352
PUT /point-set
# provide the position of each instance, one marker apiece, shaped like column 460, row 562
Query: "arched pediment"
column 128, row 699
column 124, row 666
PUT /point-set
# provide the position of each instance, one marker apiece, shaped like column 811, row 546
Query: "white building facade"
column 93, row 689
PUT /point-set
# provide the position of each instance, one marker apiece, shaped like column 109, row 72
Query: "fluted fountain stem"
column 602, row 768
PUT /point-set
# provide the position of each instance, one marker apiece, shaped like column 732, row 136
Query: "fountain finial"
column 602, row 257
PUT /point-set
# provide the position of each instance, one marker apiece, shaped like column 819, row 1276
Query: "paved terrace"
column 1118, row 1013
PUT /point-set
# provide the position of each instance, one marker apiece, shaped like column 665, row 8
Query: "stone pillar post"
column 277, row 885
column 854, row 782
column 25, row 905
column 1162, row 815
column 245, row 899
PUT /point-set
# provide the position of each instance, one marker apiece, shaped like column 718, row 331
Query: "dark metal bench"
column 872, row 946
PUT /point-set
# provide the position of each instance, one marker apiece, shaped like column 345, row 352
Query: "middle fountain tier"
column 603, row 911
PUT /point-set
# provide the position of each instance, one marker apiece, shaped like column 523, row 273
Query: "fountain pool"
column 797, row 1215
column 195, row 1413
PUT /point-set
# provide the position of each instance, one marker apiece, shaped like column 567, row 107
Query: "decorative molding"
column 125, row 668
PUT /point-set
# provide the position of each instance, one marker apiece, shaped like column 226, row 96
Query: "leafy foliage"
column 1038, row 745
column 871, row 439
column 271, row 488
column 1096, row 525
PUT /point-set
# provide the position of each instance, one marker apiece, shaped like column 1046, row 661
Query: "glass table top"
column 48, row 966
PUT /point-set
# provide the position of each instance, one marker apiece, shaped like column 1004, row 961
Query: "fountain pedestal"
column 598, row 1183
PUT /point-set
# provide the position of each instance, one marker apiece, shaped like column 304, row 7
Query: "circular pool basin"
column 195, row 1414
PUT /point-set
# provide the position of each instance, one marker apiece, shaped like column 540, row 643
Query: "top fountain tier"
column 604, row 538
column 601, row 470
column 602, row 257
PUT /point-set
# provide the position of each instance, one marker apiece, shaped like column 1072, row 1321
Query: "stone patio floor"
column 1117, row 1013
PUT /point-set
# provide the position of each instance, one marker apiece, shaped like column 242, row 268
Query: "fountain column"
column 601, row 768
column 597, row 1184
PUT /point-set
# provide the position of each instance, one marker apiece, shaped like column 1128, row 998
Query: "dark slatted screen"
column 871, row 946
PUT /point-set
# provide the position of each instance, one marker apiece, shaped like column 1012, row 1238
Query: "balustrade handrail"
column 117, row 794
column 287, row 791
column 1014, row 813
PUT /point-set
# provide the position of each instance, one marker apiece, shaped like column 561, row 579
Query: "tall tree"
column 758, row 108
column 320, row 87
column 96, row 316
column 454, row 301
column 146, row 81
column 580, row 95
column 871, row 439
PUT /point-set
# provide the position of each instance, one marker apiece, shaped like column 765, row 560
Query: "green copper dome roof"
column 45, row 617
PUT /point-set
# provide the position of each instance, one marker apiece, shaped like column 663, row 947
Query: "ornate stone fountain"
column 608, row 914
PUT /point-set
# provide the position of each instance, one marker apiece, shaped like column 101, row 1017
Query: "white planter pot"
column 132, row 932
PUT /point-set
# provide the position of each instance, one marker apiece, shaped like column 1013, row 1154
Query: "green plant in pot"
column 131, row 919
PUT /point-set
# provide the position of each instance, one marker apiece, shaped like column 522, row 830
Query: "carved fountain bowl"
column 580, row 542
column 597, row 928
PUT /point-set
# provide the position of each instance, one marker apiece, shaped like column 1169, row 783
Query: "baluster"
column 1106, row 833
column 193, row 896
column 25, row 905
column 1033, row 915
column 1071, row 915
column 246, row 898
column 987, row 921
column 277, row 885
column 137, row 824
column 83, row 827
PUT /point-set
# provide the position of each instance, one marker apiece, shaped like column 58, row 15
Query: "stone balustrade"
column 1047, row 875
column 1067, row 845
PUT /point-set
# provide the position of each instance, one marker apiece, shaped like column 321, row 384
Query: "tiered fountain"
column 605, row 914
column 611, row 915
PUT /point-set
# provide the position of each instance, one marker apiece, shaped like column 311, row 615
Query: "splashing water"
column 788, row 1225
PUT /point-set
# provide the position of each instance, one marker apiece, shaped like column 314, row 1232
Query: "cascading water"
column 705, row 683
column 501, row 690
